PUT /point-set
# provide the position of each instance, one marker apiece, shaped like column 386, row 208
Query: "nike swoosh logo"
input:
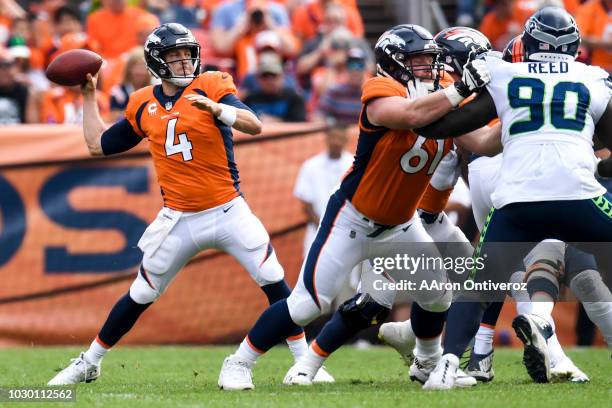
column 227, row 209
column 224, row 76
column 406, row 229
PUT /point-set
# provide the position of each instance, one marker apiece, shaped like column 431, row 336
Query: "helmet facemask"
column 156, row 50
column 182, row 79
column 406, row 70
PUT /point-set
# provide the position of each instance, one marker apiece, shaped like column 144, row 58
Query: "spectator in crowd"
column 309, row 18
column 9, row 10
column 234, row 19
column 66, row 20
column 261, row 25
column 113, row 27
column 265, row 42
column 316, row 51
column 319, row 175
column 16, row 103
column 274, row 102
column 114, row 70
column 594, row 19
column 64, row 105
column 506, row 20
column 71, row 41
column 343, row 101
column 174, row 11
column 334, row 69
column 22, row 34
column 136, row 76
column 28, row 74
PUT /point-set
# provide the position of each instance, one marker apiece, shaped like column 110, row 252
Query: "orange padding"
column 318, row 350
column 296, row 337
column 434, row 201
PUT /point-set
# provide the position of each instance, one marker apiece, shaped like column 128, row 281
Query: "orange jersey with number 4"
column 392, row 167
column 192, row 151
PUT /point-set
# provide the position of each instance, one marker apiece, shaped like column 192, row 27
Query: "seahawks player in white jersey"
column 550, row 107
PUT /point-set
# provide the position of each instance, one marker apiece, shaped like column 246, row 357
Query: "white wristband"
column 453, row 96
column 228, row 114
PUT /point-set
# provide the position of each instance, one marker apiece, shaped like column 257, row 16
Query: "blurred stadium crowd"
column 295, row 60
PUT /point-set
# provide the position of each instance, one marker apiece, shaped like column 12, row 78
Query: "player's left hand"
column 476, row 75
column 203, row 103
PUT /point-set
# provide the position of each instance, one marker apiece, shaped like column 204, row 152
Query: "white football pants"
column 175, row 237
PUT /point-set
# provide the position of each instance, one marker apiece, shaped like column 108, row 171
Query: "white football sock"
column 426, row 348
column 96, row 352
column 523, row 308
column 297, row 346
column 542, row 309
column 312, row 359
column 555, row 351
column 483, row 341
column 247, row 353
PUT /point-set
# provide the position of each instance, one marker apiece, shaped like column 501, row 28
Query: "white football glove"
column 475, row 76
column 447, row 173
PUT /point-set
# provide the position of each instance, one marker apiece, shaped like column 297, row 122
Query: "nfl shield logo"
column 168, row 105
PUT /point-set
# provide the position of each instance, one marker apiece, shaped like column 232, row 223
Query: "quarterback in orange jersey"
column 188, row 121
column 375, row 205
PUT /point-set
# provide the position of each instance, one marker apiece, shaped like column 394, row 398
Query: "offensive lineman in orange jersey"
column 375, row 205
column 188, row 122
column 431, row 206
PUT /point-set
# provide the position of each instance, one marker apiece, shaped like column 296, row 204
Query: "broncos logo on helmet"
column 395, row 48
column 459, row 44
column 163, row 39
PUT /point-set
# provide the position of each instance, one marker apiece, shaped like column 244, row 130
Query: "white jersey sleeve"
column 548, row 112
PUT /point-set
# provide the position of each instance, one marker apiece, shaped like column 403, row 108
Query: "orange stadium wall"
column 69, row 225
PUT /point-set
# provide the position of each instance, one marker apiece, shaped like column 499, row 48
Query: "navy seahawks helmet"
column 551, row 34
column 163, row 39
column 458, row 45
column 395, row 48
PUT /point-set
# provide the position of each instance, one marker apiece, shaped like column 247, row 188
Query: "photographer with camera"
column 235, row 19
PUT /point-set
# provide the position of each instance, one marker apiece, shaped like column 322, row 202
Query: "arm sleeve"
column 467, row 118
column 232, row 100
column 119, row 138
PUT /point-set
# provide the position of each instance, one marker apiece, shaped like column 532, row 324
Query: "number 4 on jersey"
column 183, row 146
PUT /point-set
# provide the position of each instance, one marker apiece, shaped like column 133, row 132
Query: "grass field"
column 374, row 377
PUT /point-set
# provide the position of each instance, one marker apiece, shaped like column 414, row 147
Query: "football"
column 70, row 68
